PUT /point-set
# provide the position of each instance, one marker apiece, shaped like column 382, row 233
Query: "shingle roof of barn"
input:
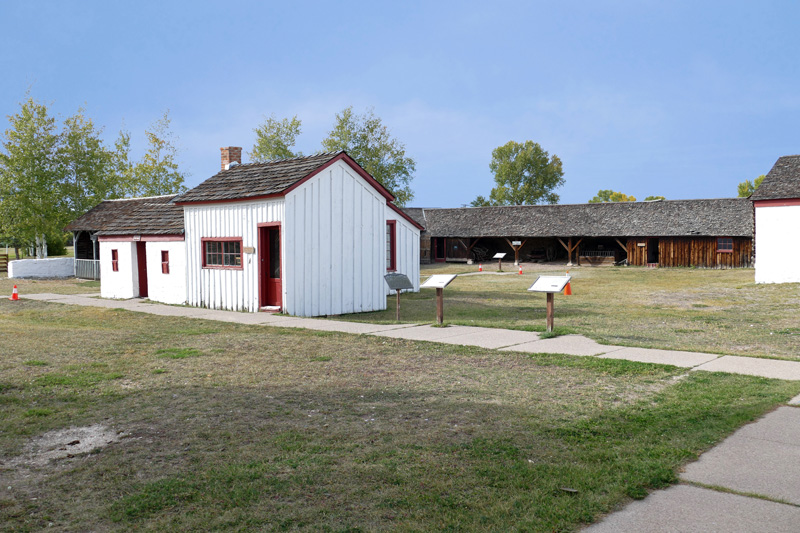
column 731, row 217
column 156, row 215
column 255, row 180
column 783, row 181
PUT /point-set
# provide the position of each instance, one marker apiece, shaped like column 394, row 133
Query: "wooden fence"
column 3, row 262
column 87, row 269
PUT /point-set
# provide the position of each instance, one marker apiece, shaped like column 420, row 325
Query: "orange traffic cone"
column 568, row 290
column 520, row 270
column 14, row 294
column 480, row 267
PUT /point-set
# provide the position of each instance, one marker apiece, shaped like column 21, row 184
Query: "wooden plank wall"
column 698, row 252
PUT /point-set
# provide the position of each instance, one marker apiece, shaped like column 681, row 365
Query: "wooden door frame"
column 141, row 267
column 436, row 249
column 264, row 226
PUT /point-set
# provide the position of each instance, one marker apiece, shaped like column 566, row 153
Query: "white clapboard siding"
column 124, row 283
column 334, row 235
column 777, row 259
column 235, row 290
column 407, row 249
column 168, row 288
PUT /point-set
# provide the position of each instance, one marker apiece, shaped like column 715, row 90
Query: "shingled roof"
column 730, row 217
column 255, row 180
column 155, row 215
column 783, row 181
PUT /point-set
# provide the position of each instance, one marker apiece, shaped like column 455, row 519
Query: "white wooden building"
column 310, row 236
column 140, row 248
column 777, row 221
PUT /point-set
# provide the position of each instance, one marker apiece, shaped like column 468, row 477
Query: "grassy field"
column 212, row 426
column 717, row 311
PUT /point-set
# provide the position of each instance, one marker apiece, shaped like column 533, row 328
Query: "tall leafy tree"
column 275, row 139
column 88, row 171
column 157, row 173
column 524, row 174
column 746, row 188
column 31, row 177
column 607, row 195
column 370, row 143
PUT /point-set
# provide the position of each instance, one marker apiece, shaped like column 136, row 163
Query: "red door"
column 269, row 252
column 141, row 264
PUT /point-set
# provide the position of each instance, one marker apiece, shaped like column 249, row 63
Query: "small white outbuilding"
column 310, row 236
column 777, row 222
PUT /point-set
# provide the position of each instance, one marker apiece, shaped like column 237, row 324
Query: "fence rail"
column 87, row 269
column 597, row 253
column 3, row 262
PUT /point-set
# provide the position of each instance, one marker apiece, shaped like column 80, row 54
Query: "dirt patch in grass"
column 63, row 443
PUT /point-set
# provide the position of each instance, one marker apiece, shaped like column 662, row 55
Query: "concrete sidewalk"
column 490, row 338
column 748, row 483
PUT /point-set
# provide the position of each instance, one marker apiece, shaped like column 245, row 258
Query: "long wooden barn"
column 714, row 233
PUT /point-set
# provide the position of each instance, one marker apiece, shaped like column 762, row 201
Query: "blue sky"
column 680, row 99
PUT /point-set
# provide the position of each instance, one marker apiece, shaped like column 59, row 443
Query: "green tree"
column 654, row 198
column 607, row 195
column 746, row 188
column 31, row 177
column 157, row 173
column 370, row 143
column 275, row 139
column 480, row 201
column 88, row 172
column 524, row 174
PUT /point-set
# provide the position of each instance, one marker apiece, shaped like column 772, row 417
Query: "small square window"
column 725, row 245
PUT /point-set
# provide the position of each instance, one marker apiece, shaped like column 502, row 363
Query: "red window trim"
column 724, row 251
column 115, row 260
column 165, row 261
column 392, row 267
column 203, row 242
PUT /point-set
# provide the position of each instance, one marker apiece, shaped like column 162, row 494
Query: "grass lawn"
column 225, row 427
column 717, row 311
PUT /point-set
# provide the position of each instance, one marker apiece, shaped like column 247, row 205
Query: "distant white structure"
column 777, row 223
column 310, row 236
column 54, row 267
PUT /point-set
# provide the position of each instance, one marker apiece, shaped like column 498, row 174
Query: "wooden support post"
column 440, row 306
column 499, row 265
column 569, row 251
column 550, row 312
column 398, row 305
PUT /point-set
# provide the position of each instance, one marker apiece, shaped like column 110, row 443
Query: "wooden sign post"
column 550, row 285
column 439, row 282
column 499, row 258
column 398, row 282
column 516, row 245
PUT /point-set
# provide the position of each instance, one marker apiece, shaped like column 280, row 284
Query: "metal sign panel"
column 398, row 282
column 550, row 283
column 516, row 243
column 438, row 281
column 499, row 256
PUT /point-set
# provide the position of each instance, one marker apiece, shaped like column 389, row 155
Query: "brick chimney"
column 230, row 154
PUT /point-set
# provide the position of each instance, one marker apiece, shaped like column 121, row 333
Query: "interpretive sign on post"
column 398, row 282
column 499, row 257
column 550, row 285
column 439, row 282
